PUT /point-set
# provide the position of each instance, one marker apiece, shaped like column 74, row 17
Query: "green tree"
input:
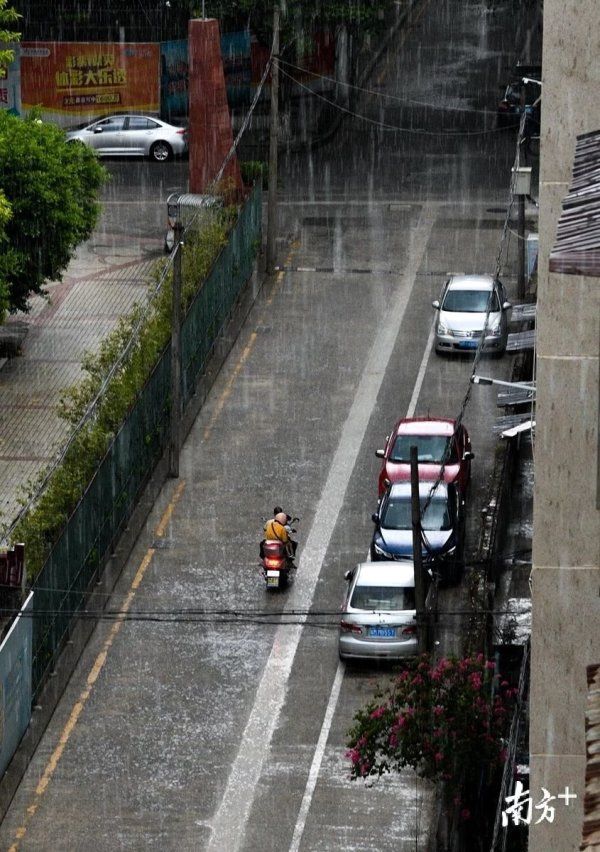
column 52, row 188
column 8, row 17
column 298, row 15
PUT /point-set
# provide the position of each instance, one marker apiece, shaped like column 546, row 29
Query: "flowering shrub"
column 446, row 720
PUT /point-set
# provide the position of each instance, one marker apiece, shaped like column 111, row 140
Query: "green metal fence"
column 92, row 530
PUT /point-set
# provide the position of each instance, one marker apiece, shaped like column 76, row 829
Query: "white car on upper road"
column 132, row 136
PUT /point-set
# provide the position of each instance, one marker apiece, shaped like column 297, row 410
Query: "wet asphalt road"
column 231, row 734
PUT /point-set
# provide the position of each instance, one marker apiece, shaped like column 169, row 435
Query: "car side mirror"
column 380, row 453
column 468, row 455
column 375, row 518
column 348, row 575
column 436, row 304
column 97, row 130
column 506, row 306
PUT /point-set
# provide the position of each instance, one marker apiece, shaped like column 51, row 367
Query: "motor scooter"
column 276, row 563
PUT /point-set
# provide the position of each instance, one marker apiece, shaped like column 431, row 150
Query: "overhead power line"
column 394, row 127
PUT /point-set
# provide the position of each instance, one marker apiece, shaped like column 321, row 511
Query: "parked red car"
column 431, row 436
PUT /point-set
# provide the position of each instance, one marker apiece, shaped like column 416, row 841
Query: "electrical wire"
column 394, row 127
column 377, row 94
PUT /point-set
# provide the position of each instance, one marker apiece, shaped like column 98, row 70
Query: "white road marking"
column 229, row 822
column 421, row 374
column 315, row 767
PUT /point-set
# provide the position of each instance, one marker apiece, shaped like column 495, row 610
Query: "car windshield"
column 383, row 598
column 430, row 448
column 470, row 301
column 397, row 514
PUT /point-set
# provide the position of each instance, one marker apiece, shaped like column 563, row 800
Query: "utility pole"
column 521, row 278
column 273, row 133
column 522, row 188
column 417, row 554
column 175, row 439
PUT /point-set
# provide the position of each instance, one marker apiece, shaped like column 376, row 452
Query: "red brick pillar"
column 210, row 132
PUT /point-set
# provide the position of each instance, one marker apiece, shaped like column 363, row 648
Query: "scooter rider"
column 278, row 529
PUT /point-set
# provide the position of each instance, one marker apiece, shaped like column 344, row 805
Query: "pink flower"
column 438, row 710
column 490, row 665
column 417, row 680
column 438, row 757
column 378, row 713
column 364, row 768
column 353, row 754
column 475, row 680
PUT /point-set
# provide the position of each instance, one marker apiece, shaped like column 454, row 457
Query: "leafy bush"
column 41, row 526
column 445, row 720
column 254, row 171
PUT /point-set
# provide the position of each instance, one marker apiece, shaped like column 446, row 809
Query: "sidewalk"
column 106, row 277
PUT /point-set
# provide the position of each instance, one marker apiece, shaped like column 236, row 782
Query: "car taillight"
column 409, row 631
column 349, row 627
column 272, row 563
column 181, row 132
column 386, row 482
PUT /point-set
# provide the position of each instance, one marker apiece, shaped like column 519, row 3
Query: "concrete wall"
column 566, row 540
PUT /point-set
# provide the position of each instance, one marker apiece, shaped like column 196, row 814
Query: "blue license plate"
column 383, row 632
column 468, row 344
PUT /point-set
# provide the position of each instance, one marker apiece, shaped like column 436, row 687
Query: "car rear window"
column 383, row 598
column 397, row 514
column 431, row 448
column 470, row 301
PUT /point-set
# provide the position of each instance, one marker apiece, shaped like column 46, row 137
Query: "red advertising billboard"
column 78, row 80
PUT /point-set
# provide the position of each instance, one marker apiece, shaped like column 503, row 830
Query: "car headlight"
column 494, row 330
column 442, row 328
column 380, row 551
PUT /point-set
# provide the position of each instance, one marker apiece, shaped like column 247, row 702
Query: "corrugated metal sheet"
column 577, row 247
column 590, row 837
column 519, row 340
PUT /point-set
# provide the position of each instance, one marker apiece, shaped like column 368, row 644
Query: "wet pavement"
column 227, row 732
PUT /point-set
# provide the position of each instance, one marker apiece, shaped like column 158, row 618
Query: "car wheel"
column 160, row 152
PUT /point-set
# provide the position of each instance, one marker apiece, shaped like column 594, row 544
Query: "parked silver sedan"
column 462, row 309
column 378, row 613
column 132, row 136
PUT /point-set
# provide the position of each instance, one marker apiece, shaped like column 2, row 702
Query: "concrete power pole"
column 175, row 438
column 417, row 554
column 273, row 134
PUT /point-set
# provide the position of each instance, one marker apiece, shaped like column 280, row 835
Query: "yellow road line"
column 94, row 673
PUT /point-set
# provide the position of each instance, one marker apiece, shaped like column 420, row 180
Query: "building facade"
column 566, row 538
